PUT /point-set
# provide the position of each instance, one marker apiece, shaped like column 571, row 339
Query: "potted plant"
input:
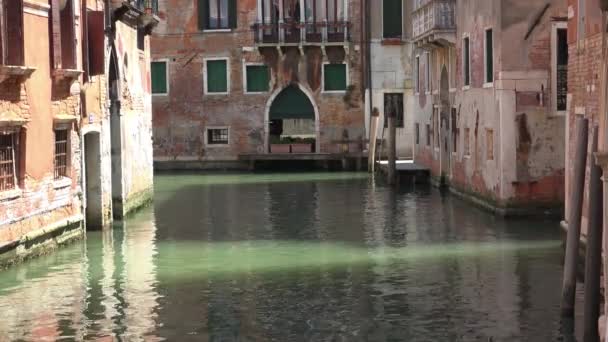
column 279, row 145
column 302, row 145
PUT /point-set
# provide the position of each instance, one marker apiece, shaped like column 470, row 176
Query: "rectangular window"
column 11, row 33
column 417, row 134
column 436, row 127
column 392, row 18
column 561, row 72
column 258, row 78
column 490, row 144
column 489, row 63
column 428, row 135
column 427, row 73
column 217, row 14
column 217, row 77
column 61, row 153
column 64, row 50
column 334, row 77
column 417, row 72
column 8, row 161
column 393, row 105
column 217, row 136
column 159, row 78
column 466, row 62
column 467, row 146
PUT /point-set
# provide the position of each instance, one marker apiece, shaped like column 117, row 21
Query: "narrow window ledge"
column 427, row 93
column 20, row 73
column 465, row 88
column 452, row 90
column 62, row 183
column 9, row 195
column 217, row 31
column 392, row 41
column 334, row 92
column 255, row 92
column 488, row 85
column 216, row 94
column 160, row 94
column 69, row 75
column 468, row 156
column 217, row 145
column 435, row 92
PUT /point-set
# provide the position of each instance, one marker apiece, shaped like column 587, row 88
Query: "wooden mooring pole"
column 392, row 148
column 574, row 219
column 593, row 257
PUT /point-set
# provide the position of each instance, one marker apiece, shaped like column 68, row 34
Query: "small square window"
column 217, row 136
column 61, row 153
column 258, row 78
column 159, row 78
column 334, row 77
column 217, row 76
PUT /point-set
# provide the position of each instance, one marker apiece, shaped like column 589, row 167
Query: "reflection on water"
column 308, row 257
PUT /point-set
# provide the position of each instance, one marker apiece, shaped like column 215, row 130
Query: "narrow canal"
column 304, row 257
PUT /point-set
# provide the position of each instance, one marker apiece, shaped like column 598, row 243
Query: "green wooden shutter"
column 159, row 77
column 335, row 77
column 217, row 76
column 232, row 14
column 203, row 9
column 392, row 18
column 258, row 78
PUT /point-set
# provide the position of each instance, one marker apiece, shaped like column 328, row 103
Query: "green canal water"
column 298, row 257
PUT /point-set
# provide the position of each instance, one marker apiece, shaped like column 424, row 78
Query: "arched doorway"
column 115, row 135
column 92, row 180
column 291, row 115
column 444, row 95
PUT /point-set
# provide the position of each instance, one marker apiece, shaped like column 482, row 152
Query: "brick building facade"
column 56, row 146
column 233, row 78
column 490, row 118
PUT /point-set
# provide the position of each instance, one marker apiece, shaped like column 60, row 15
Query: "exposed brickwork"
column 181, row 118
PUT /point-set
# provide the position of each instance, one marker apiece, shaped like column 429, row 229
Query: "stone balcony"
column 301, row 33
column 434, row 23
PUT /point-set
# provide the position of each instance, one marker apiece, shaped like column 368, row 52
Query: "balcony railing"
column 301, row 33
column 431, row 16
column 147, row 6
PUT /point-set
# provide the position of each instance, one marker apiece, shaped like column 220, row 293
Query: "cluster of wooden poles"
column 593, row 254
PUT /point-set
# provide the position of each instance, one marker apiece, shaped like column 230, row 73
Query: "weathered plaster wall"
column 516, row 154
column 182, row 116
column 40, row 201
column 136, row 116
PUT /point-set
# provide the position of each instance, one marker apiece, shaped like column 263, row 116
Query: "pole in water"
column 574, row 218
column 392, row 148
column 593, row 258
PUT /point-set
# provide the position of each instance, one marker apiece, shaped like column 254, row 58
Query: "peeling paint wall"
column 524, row 167
column 40, row 200
column 181, row 118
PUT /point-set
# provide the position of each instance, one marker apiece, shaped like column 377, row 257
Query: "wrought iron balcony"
column 302, row 33
column 434, row 22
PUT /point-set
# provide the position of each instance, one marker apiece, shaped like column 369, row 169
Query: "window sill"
column 452, row 90
column 160, row 94
column 465, row 88
column 255, row 92
column 62, row 183
column 467, row 156
column 217, row 145
column 488, row 85
column 427, row 93
column 216, row 94
column 334, row 92
column 392, row 41
column 9, row 195
column 217, row 31
column 14, row 71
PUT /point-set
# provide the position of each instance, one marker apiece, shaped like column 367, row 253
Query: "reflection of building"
column 75, row 123
column 490, row 98
column 235, row 77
